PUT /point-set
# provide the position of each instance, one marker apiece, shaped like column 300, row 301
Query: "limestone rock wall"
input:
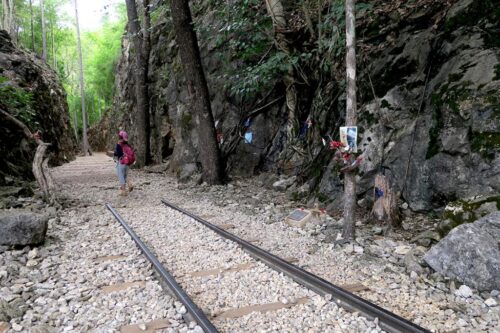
column 23, row 74
column 433, row 123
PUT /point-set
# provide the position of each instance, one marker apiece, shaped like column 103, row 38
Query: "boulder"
column 22, row 228
column 470, row 253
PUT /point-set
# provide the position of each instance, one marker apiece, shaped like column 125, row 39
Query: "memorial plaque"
column 298, row 215
column 299, row 218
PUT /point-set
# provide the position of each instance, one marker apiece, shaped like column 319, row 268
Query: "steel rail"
column 387, row 320
column 192, row 308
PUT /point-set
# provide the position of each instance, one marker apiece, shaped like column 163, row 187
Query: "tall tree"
column 44, row 33
column 199, row 97
column 32, row 27
column 350, row 177
column 8, row 17
column 141, row 74
column 85, row 143
column 54, row 57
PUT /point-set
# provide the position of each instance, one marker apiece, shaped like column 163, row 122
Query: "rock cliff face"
column 31, row 92
column 430, row 118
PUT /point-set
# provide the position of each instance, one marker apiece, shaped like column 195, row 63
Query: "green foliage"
column 248, row 51
column 17, row 102
column 486, row 144
column 101, row 51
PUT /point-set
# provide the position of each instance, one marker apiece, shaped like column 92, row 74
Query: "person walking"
column 125, row 157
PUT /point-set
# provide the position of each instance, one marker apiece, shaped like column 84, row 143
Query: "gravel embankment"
column 59, row 284
column 185, row 246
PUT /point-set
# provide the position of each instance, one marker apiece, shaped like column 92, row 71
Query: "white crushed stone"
column 61, row 289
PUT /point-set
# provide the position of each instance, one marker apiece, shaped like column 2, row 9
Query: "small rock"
column 283, row 184
column 462, row 323
column 42, row 329
column 17, row 327
column 102, row 223
column 402, row 249
column 490, row 302
column 464, row 291
column 425, row 238
column 284, row 300
column 349, row 248
column 358, row 249
column 33, row 254
column 411, row 263
column 142, row 327
column 404, row 205
column 31, row 263
column 198, row 329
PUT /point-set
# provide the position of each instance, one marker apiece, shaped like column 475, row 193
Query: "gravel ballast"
column 61, row 285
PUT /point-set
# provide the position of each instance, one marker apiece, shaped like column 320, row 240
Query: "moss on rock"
column 466, row 211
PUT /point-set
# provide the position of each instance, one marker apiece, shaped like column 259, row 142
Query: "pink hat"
column 123, row 135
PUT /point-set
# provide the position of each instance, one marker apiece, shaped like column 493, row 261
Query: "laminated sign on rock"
column 301, row 217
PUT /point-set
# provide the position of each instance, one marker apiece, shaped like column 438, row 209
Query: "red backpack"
column 128, row 157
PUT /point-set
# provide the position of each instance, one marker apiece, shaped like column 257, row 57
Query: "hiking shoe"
column 130, row 187
column 123, row 193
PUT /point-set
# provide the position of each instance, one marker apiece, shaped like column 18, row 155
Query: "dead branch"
column 40, row 165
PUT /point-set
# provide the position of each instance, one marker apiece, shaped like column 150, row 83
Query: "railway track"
column 245, row 259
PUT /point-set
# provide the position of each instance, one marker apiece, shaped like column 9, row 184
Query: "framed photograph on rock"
column 349, row 137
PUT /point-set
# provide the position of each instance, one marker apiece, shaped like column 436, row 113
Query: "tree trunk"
column 85, row 142
column 277, row 13
column 198, row 94
column 54, row 64
column 32, row 28
column 385, row 206
column 350, row 177
column 5, row 14
column 75, row 121
column 8, row 18
column 44, row 34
